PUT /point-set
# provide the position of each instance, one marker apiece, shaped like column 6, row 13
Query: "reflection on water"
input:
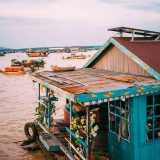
column 18, row 100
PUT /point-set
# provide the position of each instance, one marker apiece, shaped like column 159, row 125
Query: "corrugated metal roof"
column 145, row 48
column 87, row 80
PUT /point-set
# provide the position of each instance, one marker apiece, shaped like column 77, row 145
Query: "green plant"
column 15, row 62
column 36, row 63
column 39, row 62
column 40, row 116
column 24, row 61
column 98, row 154
column 53, row 108
column 42, row 62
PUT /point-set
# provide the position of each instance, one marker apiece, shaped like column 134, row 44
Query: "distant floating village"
column 72, row 49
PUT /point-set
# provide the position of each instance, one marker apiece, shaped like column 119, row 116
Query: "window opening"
column 119, row 118
column 153, row 117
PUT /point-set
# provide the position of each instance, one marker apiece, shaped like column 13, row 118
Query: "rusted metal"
column 88, row 76
column 72, row 80
column 54, row 79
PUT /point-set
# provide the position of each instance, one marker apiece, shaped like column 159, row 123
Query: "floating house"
column 121, row 85
column 59, row 50
column 75, row 49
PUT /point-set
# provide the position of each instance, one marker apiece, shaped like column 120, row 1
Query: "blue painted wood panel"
column 145, row 153
column 155, row 151
column 117, row 93
column 134, row 122
column 48, row 142
column 150, row 151
column 142, row 119
column 143, row 149
column 119, row 150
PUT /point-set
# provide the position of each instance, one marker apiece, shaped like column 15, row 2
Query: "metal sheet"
column 148, row 52
column 90, row 77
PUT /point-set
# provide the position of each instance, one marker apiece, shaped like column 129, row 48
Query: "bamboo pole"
column 83, row 158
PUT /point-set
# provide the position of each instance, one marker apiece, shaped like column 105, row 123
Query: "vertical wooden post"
column 71, row 105
column 135, row 103
column 109, row 117
column 39, row 94
column 49, row 115
column 88, row 150
column 47, row 109
column 46, row 91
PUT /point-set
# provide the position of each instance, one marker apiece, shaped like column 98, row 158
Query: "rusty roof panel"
column 145, row 48
column 87, row 80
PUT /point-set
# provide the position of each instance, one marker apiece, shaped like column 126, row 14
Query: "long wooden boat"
column 37, row 55
column 56, row 68
column 15, row 73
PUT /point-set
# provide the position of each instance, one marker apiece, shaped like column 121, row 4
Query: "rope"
column 12, row 142
column 34, row 89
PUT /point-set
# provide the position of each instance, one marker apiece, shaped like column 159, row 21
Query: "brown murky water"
column 18, row 100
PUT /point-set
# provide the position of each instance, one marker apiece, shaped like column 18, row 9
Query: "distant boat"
column 16, row 70
column 17, row 67
column 38, row 54
column 74, row 56
column 32, row 53
column 55, row 68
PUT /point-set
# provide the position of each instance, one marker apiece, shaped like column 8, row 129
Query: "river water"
column 18, row 100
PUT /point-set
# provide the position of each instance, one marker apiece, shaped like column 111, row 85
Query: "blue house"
column 122, row 80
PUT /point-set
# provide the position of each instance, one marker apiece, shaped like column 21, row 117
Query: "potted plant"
column 78, row 126
column 98, row 155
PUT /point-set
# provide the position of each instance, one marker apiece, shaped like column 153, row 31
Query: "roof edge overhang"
column 111, row 40
column 111, row 95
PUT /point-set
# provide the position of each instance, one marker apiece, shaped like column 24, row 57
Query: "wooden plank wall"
column 116, row 60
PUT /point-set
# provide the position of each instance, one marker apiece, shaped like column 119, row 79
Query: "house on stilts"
column 120, row 83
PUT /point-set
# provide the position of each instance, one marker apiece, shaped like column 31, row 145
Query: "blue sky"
column 45, row 23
